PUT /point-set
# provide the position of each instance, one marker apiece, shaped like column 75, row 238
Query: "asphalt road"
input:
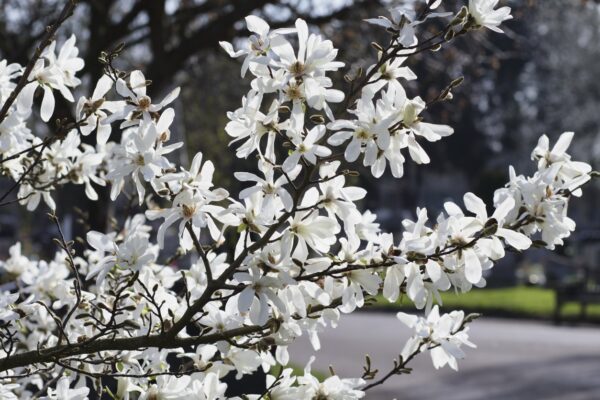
column 514, row 359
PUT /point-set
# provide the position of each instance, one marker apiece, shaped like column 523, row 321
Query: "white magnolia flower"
column 404, row 20
column 222, row 320
column 68, row 61
column 85, row 171
column 142, row 156
column 209, row 388
column 401, row 22
column 259, row 45
column 442, row 335
column 464, row 229
column 7, row 391
column 315, row 56
column 271, row 189
column 8, row 72
column 368, row 133
column 337, row 198
column 307, row 148
column 14, row 137
column 413, row 124
column 359, row 281
column 193, row 207
column 133, row 253
column 305, row 71
column 139, row 104
column 52, row 73
column 484, row 14
column 249, row 124
column 515, row 239
column 256, row 295
column 93, row 111
column 573, row 173
column 125, row 386
column 64, row 392
column 168, row 387
column 286, row 388
column 17, row 263
column 47, row 78
column 388, row 74
column 309, row 229
column 7, row 302
column 30, row 197
column 304, row 253
column 331, row 388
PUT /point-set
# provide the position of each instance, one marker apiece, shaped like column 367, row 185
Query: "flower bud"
column 317, row 119
column 490, row 227
column 376, row 46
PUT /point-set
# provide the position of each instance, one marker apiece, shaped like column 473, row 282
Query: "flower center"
column 297, row 69
column 363, row 134
column 188, row 211
column 268, row 189
column 293, row 92
column 144, row 103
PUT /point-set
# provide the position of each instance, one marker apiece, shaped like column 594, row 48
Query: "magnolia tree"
column 285, row 257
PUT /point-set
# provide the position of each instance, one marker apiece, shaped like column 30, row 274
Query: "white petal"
column 102, row 87
column 563, row 143
column 475, row 205
column 472, row 266
column 47, row 104
column 165, row 120
column 245, row 299
column 257, row 25
column 517, row 240
column 25, row 100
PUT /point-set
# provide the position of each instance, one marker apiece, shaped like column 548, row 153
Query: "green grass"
column 515, row 301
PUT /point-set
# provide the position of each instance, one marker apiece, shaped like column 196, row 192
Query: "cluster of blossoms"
column 301, row 252
column 64, row 161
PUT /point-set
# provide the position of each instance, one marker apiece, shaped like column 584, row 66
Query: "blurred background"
column 542, row 76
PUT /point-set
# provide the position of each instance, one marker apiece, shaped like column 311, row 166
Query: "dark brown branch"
column 162, row 341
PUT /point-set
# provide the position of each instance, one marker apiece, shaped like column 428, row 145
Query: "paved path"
column 514, row 360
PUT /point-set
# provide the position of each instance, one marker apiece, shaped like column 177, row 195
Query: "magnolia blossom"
column 255, row 297
column 307, row 148
column 94, row 111
column 404, row 20
column 382, row 129
column 134, row 252
column 139, row 104
column 143, row 156
column 64, row 392
column 271, row 189
column 444, row 335
column 52, row 73
column 483, row 13
column 389, row 74
column 192, row 207
column 249, row 124
column 332, row 387
column 259, row 45
column 314, row 59
column 8, row 72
